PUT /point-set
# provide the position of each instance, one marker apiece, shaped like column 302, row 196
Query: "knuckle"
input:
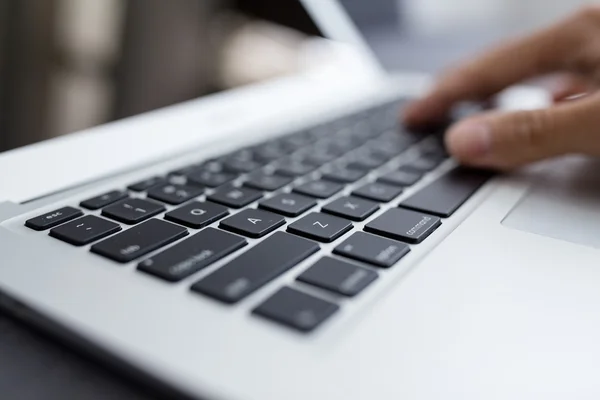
column 460, row 79
column 529, row 129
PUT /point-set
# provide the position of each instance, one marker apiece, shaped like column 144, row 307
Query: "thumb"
column 509, row 140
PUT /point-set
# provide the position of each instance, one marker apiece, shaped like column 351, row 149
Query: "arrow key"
column 253, row 223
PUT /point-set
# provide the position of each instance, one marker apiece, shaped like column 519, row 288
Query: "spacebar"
column 255, row 268
column 445, row 195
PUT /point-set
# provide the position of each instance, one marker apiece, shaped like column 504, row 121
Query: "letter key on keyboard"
column 253, row 223
column 235, row 197
column 267, row 182
column 344, row 174
column 321, row 227
column 197, row 214
column 379, row 192
column 174, row 194
column 352, row 208
column 288, row 204
column 401, row 178
column 319, row 189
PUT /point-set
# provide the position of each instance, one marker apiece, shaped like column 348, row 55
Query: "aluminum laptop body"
column 499, row 301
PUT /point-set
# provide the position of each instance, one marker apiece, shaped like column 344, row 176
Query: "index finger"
column 545, row 51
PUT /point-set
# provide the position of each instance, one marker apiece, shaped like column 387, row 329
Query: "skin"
column 570, row 50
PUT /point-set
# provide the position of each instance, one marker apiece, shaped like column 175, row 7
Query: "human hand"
column 506, row 140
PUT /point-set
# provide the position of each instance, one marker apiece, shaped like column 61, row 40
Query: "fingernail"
column 472, row 139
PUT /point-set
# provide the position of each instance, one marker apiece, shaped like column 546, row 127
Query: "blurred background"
column 66, row 65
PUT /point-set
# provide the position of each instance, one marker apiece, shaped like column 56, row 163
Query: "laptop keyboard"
column 275, row 174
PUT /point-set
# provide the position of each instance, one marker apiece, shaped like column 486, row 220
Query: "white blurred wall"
column 439, row 16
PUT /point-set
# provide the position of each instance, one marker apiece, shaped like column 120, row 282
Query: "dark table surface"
column 33, row 366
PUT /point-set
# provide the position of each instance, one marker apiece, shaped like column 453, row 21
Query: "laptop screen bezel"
column 336, row 24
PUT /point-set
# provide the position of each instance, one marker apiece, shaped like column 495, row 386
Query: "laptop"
column 291, row 240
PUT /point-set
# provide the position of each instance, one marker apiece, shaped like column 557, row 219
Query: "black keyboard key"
column 253, row 223
column 210, row 179
column 192, row 255
column 422, row 164
column 175, row 194
column 267, row 182
column 319, row 158
column 85, row 230
column 197, row 214
column 269, row 152
column 445, row 195
column 338, row 276
column 296, row 309
column 372, row 249
column 401, row 178
column 337, row 145
column 241, row 166
column 295, row 169
column 385, row 149
column 288, row 204
column 319, row 189
column 240, row 155
column 184, row 171
column 235, row 197
column 256, row 267
column 53, row 218
column 366, row 162
column 351, row 208
column 139, row 240
column 295, row 141
column 146, row 184
column 133, row 211
column 321, row 227
column 405, row 225
column 104, row 200
column 344, row 174
column 435, row 150
column 379, row 192
column 214, row 166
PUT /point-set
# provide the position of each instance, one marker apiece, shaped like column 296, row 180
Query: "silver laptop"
column 292, row 240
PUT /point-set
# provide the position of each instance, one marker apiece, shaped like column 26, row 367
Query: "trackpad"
column 564, row 204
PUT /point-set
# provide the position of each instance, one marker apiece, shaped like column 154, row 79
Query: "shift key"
column 255, row 268
column 139, row 240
